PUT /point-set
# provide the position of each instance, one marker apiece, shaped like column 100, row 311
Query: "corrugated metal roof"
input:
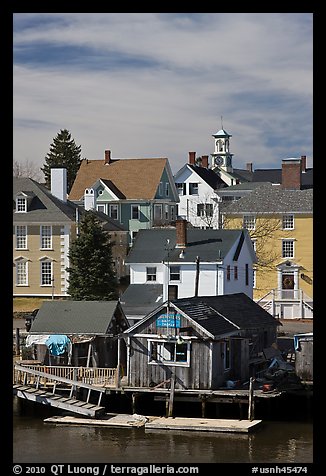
column 74, row 317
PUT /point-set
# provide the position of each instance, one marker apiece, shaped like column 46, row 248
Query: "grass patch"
column 27, row 304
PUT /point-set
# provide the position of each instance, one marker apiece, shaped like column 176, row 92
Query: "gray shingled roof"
column 45, row 207
column 141, row 299
column 210, row 245
column 272, row 199
column 223, row 314
column 74, row 317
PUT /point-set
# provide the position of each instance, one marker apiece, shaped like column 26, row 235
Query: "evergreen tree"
column 63, row 153
column 91, row 273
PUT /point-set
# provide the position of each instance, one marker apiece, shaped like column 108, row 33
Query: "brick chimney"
column 181, row 231
column 107, row 157
column 249, row 166
column 291, row 174
column 204, row 161
column 303, row 163
column 192, row 158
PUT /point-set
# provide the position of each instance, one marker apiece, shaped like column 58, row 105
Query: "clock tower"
column 221, row 157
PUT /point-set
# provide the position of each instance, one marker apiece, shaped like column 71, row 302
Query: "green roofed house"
column 79, row 333
column 138, row 193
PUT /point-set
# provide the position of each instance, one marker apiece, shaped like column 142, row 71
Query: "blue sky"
column 157, row 84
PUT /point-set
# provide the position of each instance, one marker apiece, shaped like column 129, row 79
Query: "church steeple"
column 221, row 157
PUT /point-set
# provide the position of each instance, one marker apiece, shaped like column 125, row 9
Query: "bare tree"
column 203, row 211
column 27, row 169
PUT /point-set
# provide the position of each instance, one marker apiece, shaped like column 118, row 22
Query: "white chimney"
column 89, row 199
column 59, row 183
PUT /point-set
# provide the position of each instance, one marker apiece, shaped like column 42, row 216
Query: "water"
column 37, row 442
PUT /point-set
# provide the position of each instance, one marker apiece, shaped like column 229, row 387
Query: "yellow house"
column 44, row 225
column 280, row 223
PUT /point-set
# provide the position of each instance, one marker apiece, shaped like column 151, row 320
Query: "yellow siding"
column 270, row 247
column 33, row 253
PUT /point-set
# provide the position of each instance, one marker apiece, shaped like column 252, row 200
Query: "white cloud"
column 153, row 85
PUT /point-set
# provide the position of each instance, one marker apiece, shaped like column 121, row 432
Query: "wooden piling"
column 251, row 409
column 172, row 380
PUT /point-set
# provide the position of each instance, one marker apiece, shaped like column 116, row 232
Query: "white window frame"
column 172, row 212
column 249, row 222
column 286, row 249
column 160, row 189
column 23, row 272
column 158, row 206
column 166, row 212
column 21, row 205
column 254, row 278
column 152, row 273
column 44, row 238
column 100, row 205
column 21, row 238
column 180, row 188
column 178, row 280
column 167, row 189
column 288, row 221
column 132, row 208
column 194, row 188
column 114, row 206
column 44, row 273
column 162, row 351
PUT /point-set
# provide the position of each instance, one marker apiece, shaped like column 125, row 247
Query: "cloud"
column 156, row 84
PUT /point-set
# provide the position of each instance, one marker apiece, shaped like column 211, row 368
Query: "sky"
column 160, row 84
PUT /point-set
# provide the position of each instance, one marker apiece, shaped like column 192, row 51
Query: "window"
column 181, row 187
column 21, row 237
column 166, row 212
column 21, row 273
column 101, row 208
column 157, row 212
column 254, row 244
column 173, row 353
column 167, row 189
column 193, row 188
column 46, row 273
column 21, row 204
column 287, row 248
column 249, row 222
column 205, row 210
column 172, row 292
column 236, row 272
column 46, row 236
column 172, row 212
column 151, row 274
column 225, row 354
column 228, row 272
column 254, row 278
column 288, row 222
column 160, row 189
column 174, row 273
column 247, row 275
column 135, row 212
column 113, row 212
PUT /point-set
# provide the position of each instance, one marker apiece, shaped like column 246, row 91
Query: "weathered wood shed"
column 202, row 342
column 92, row 328
column 304, row 347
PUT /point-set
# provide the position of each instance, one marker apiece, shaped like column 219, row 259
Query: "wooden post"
column 89, row 354
column 172, row 380
column 133, row 402
column 251, row 408
column 117, row 384
column 197, row 276
column 17, row 341
column 203, row 406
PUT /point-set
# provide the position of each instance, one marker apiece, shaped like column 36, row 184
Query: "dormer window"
column 21, row 204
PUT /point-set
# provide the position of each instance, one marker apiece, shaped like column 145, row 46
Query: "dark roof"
column 141, row 299
column 272, row 199
column 74, row 317
column 242, row 174
column 227, row 313
column 275, row 176
column 210, row 245
column 210, row 177
column 114, row 189
column 45, row 207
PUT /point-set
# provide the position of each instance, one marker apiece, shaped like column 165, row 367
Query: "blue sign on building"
column 168, row 320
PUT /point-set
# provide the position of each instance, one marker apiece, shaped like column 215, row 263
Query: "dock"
column 161, row 423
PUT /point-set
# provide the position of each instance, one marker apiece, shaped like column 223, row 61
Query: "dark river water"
column 275, row 442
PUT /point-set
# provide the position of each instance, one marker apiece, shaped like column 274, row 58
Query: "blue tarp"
column 57, row 344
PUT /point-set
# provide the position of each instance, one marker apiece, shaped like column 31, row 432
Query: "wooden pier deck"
column 161, row 423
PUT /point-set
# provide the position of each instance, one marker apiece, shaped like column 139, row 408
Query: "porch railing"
column 97, row 376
